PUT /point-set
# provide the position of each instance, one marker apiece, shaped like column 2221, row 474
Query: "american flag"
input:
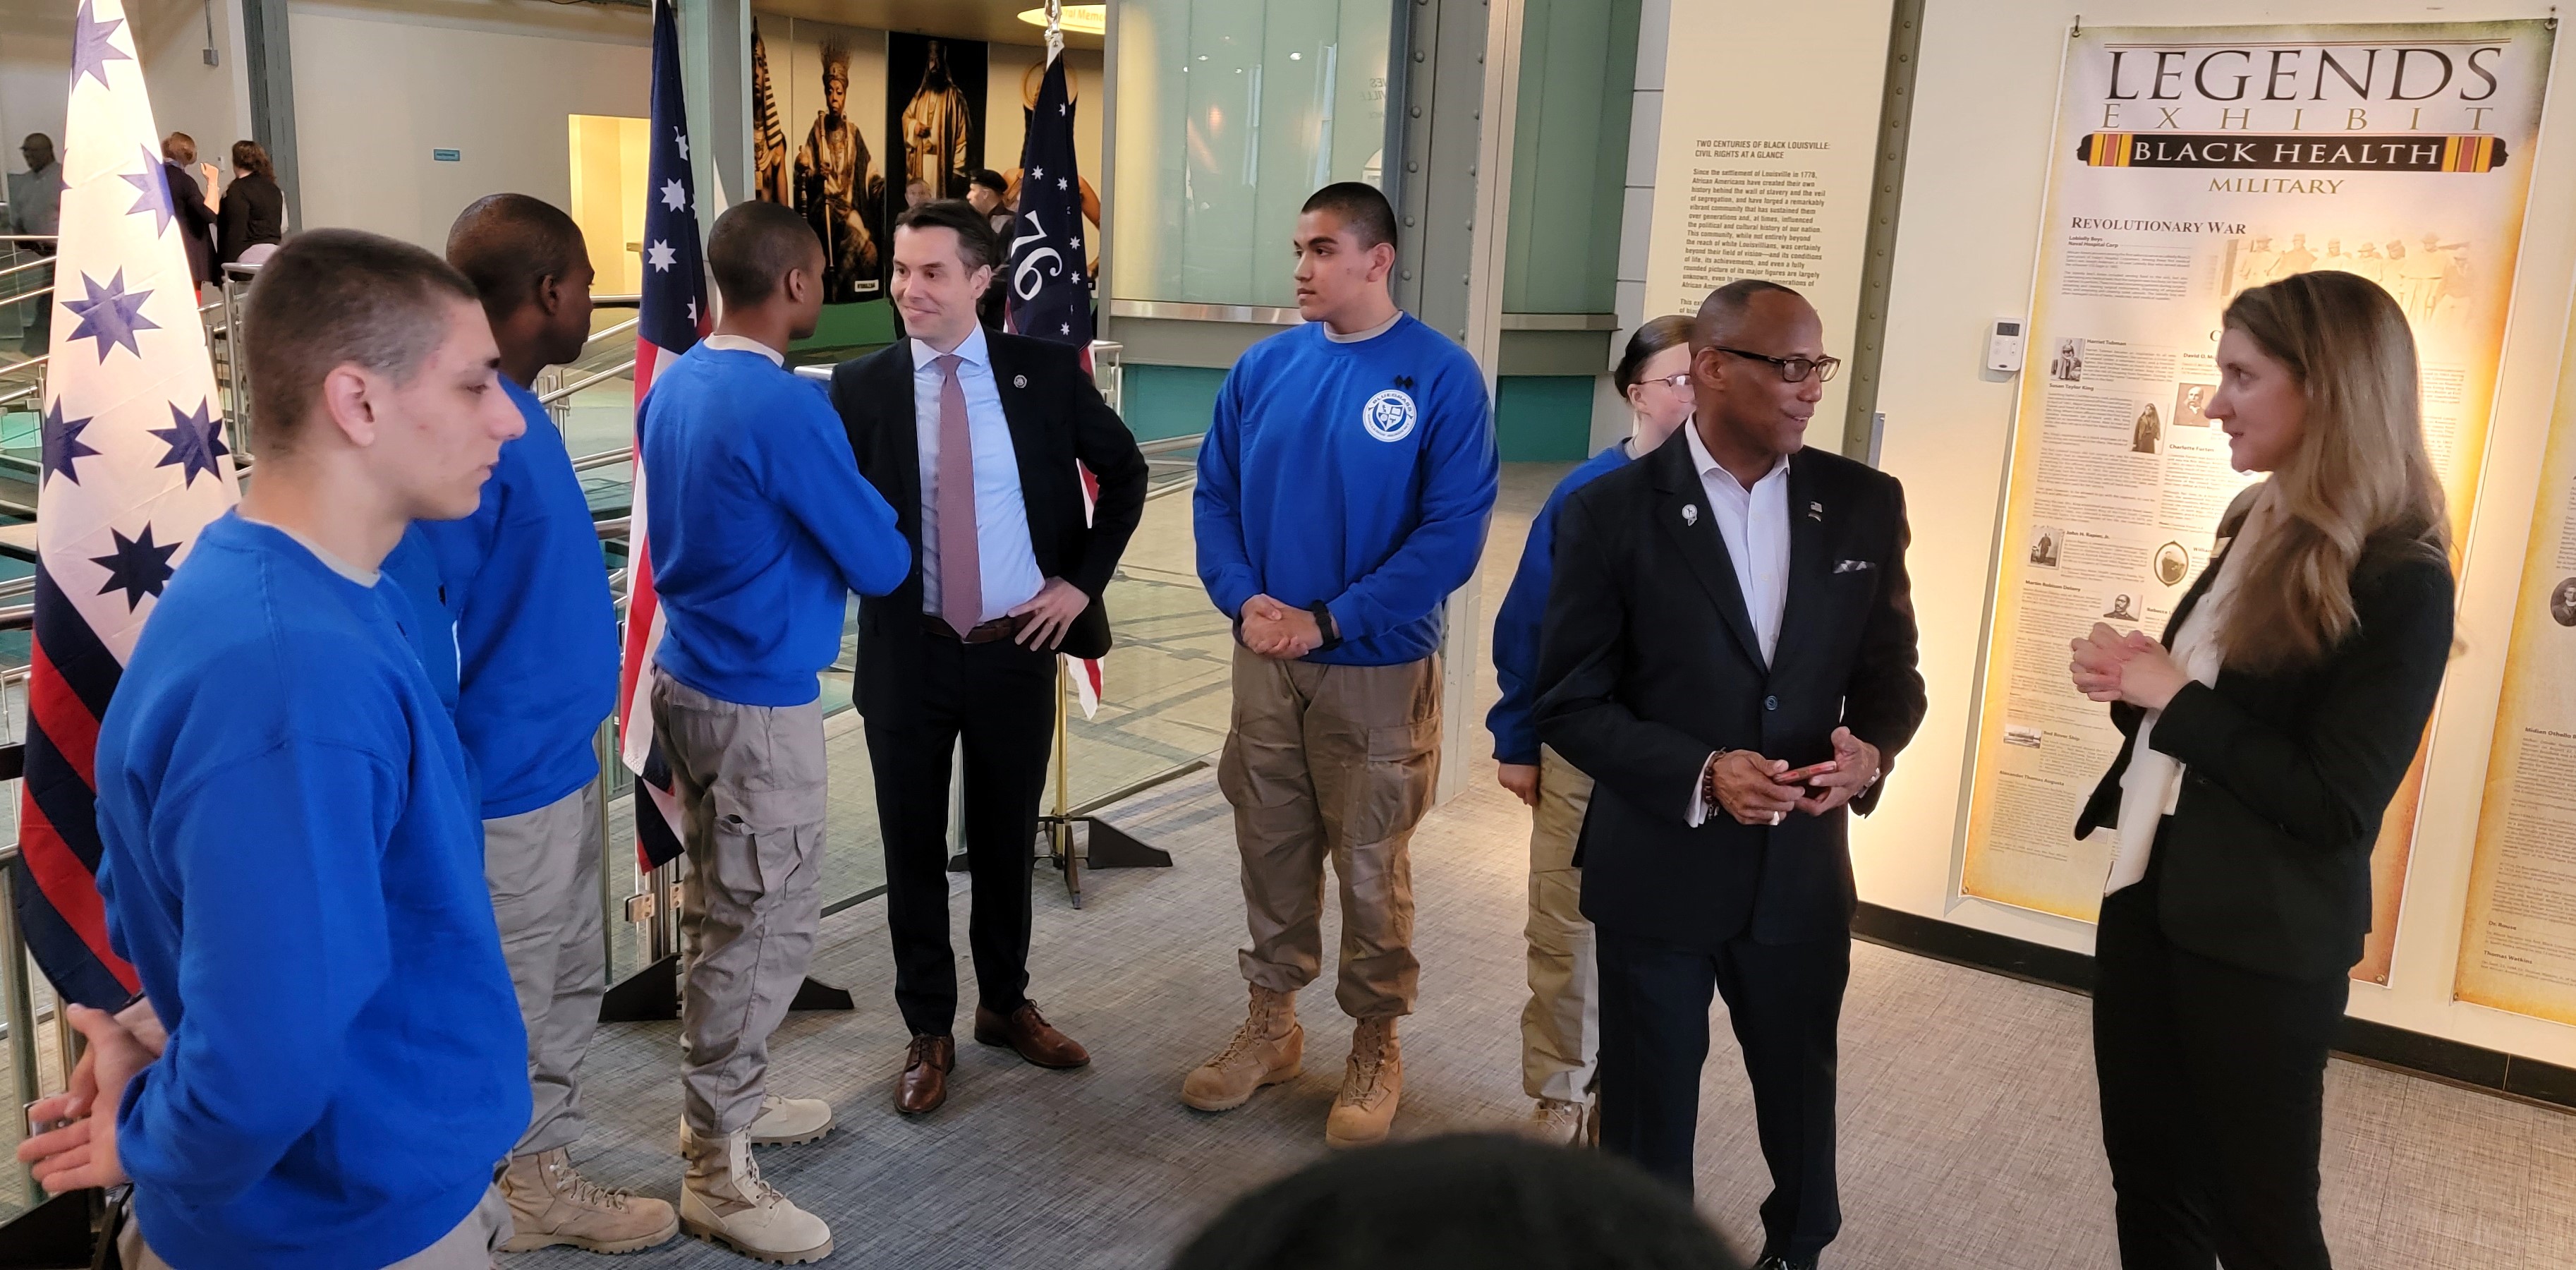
column 134, row 466
column 672, row 316
column 1050, row 288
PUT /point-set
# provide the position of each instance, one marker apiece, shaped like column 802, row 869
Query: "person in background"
column 536, row 647
column 192, row 202
column 987, row 193
column 1723, row 609
column 980, row 439
column 2266, row 736
column 1345, row 485
column 1561, row 1025
column 252, row 219
column 290, row 854
column 915, row 193
column 35, row 207
column 990, row 195
column 1460, row 1202
column 760, row 528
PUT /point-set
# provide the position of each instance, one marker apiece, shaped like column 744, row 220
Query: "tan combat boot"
column 723, row 1200
column 1270, row 1047
column 552, row 1206
column 1372, row 1083
column 782, row 1122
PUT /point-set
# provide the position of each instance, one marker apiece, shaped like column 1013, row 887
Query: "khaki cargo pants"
column 1331, row 761
column 750, row 781
column 1561, row 1025
column 543, row 870
column 469, row 1246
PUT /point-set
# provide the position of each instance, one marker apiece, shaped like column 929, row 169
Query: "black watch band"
column 1332, row 630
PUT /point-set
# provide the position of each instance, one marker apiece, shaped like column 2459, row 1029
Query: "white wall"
column 1968, row 238
column 377, row 90
column 209, row 103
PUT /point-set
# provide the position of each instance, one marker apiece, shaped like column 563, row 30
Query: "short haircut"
column 916, row 181
column 992, row 180
column 1658, row 334
column 508, row 244
column 1462, row 1202
column 249, row 157
column 337, row 297
column 179, row 147
column 1724, row 309
column 976, row 244
column 1362, row 207
column 753, row 246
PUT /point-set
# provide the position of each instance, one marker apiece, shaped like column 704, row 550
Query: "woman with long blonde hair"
column 2266, row 735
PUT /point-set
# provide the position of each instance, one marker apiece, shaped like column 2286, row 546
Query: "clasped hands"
column 1761, row 791
column 2131, row 668
column 78, row 1151
column 1272, row 629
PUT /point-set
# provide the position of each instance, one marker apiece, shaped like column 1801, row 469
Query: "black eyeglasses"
column 1793, row 369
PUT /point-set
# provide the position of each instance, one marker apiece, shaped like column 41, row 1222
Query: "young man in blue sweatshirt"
column 536, row 646
column 1561, row 1025
column 761, row 527
column 290, row 857
column 1344, row 488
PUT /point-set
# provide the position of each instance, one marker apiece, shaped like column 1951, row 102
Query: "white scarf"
column 2153, row 784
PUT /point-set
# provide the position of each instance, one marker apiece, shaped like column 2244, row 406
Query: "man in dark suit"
column 1730, row 648
column 974, row 435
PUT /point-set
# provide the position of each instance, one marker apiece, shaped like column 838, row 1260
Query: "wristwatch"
column 1324, row 623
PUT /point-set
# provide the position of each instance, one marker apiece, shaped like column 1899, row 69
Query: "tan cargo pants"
column 1561, row 1025
column 468, row 1246
column 543, row 869
column 1339, row 762
column 750, row 781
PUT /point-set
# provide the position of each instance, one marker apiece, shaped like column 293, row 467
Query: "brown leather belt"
column 998, row 628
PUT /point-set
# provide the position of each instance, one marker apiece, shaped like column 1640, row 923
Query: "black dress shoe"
column 1783, row 1263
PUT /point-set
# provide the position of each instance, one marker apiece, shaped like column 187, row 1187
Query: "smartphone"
column 37, row 1125
column 1801, row 775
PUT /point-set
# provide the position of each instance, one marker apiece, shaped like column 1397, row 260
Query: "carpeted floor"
column 1967, row 1105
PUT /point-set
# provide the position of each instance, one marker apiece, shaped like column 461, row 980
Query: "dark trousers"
column 1786, row 1003
column 2213, row 1089
column 1000, row 699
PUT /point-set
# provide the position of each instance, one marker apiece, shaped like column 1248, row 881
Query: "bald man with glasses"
column 1729, row 648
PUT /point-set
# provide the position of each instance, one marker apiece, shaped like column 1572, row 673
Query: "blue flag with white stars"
column 135, row 465
column 1050, row 286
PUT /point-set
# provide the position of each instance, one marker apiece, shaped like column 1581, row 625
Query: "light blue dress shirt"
column 1008, row 563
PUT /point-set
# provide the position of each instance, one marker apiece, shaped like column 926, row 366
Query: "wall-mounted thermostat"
column 2003, row 345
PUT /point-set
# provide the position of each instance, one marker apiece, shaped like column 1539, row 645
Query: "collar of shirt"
column 972, row 352
column 1362, row 337
column 1711, row 472
column 744, row 344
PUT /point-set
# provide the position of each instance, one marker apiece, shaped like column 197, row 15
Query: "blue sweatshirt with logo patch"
column 1358, row 474
column 1516, row 624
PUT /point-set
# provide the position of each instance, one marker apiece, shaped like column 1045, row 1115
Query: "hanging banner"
column 2518, row 939
column 2188, row 164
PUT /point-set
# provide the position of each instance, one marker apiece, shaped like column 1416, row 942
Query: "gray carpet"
column 1968, row 1112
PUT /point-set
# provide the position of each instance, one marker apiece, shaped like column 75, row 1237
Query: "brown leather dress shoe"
column 924, row 1083
column 1029, row 1035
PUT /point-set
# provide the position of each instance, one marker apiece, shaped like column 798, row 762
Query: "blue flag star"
column 62, row 443
column 154, row 185
column 137, row 567
column 92, row 50
column 111, row 316
column 195, row 441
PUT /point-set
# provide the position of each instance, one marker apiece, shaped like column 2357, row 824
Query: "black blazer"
column 2265, row 861
column 1056, row 418
column 196, row 221
column 1648, row 662
column 254, row 212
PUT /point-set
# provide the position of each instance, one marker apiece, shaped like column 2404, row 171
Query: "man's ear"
column 549, row 294
column 1708, row 366
column 1381, row 261
column 347, row 401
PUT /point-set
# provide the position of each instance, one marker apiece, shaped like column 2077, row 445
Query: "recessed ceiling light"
column 1081, row 19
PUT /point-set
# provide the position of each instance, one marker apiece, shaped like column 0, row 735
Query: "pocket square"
column 1854, row 566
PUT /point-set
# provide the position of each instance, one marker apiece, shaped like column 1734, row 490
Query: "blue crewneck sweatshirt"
column 1360, row 474
column 291, row 860
column 1516, row 623
column 536, row 629
column 760, row 526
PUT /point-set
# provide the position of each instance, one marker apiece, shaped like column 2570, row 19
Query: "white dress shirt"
column 1755, row 525
column 1005, row 558
column 745, row 344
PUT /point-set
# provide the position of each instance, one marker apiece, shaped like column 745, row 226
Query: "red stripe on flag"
column 65, row 718
column 69, row 888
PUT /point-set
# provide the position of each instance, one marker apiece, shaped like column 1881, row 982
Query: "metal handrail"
column 586, row 381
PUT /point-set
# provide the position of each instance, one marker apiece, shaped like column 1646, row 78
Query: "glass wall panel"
column 1230, row 112
column 1570, row 155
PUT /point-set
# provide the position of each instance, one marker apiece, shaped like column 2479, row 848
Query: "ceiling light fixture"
column 1079, row 19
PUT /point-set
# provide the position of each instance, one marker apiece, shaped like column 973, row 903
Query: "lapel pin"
column 1690, row 513
column 1019, row 381
column 1815, row 511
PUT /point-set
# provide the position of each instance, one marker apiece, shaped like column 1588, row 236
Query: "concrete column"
column 269, row 68
column 715, row 59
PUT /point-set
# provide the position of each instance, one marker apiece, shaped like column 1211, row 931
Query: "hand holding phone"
column 1801, row 776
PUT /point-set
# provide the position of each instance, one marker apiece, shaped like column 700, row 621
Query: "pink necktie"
column 961, row 576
